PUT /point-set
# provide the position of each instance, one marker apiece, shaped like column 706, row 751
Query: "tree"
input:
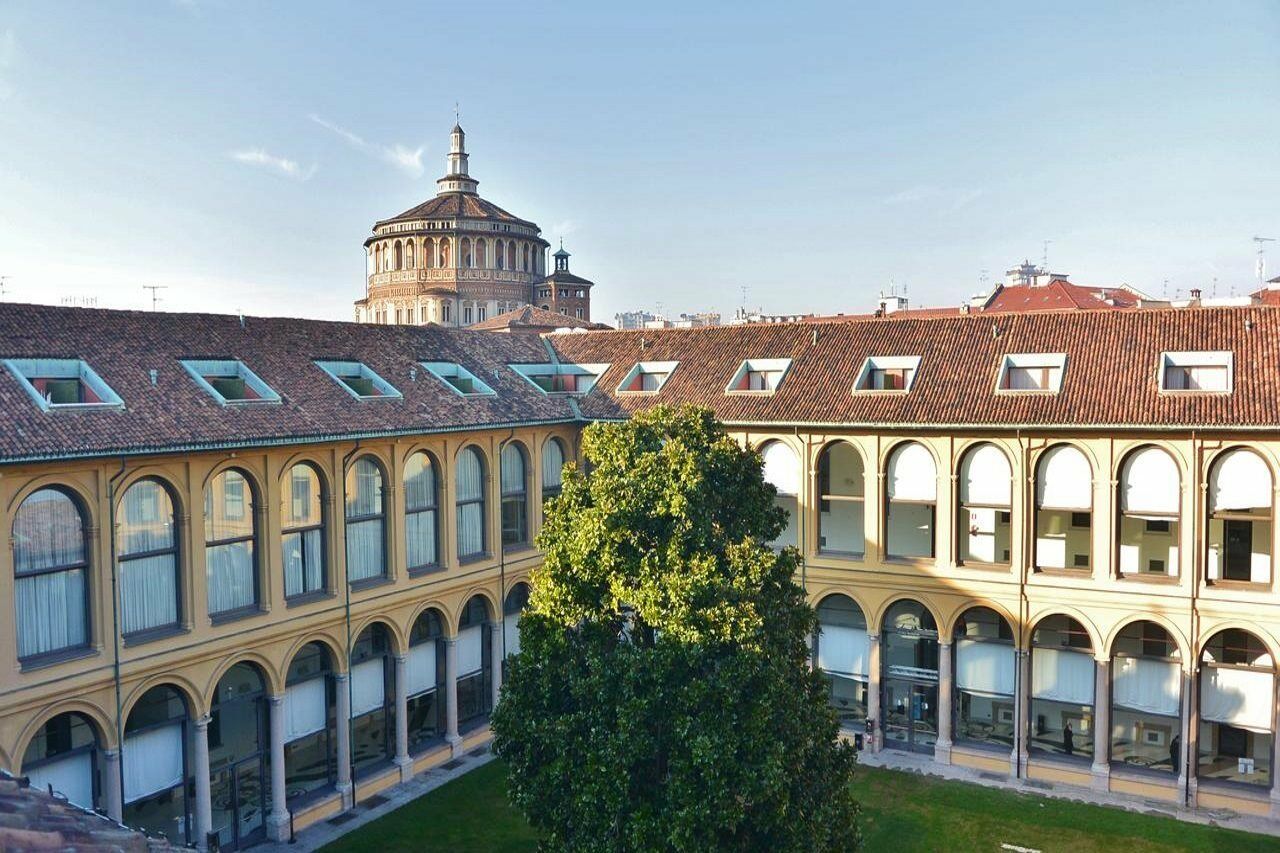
column 662, row 698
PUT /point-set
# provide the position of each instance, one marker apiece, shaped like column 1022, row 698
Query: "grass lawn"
column 900, row 812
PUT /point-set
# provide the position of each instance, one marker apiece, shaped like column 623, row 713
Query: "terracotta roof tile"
column 535, row 318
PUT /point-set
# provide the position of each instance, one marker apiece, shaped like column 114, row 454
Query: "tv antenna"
column 155, row 293
column 1262, row 256
column 1044, row 256
column 3, row 279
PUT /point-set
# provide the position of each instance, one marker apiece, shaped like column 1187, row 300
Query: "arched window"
column 230, row 531
column 410, row 260
column 429, row 253
column 468, row 260
column 445, row 254
column 1150, row 497
column 842, row 655
column 366, row 521
column 425, row 680
column 310, row 722
column 373, row 693
column 377, row 258
column 499, row 255
column 475, row 658
column 527, row 264
column 63, row 757
column 1062, row 688
column 782, row 471
column 515, row 496
column 469, row 497
column 154, row 755
column 517, row 601
column 239, row 738
column 302, row 531
column 909, row 676
column 986, row 499
column 841, row 489
column 511, row 255
column 984, row 678
column 399, row 250
column 911, row 502
column 1064, row 510
column 147, row 544
column 51, row 566
column 420, row 502
column 1146, row 698
column 1240, row 513
column 1237, row 709
column 482, row 254
column 552, row 468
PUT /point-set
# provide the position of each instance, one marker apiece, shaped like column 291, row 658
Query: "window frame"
column 84, row 566
column 337, row 370
column 1031, row 361
column 253, row 538
column 482, row 499
column 1196, row 358
column 380, row 516
column 433, row 507
column 444, row 370
column 874, row 363
column 27, row 370
column 665, row 369
column 781, row 366
column 179, row 621
column 519, row 497
column 301, row 530
column 201, row 370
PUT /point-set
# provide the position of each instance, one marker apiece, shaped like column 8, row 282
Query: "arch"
column 911, row 471
column 1236, row 690
column 103, row 727
column 148, row 521
column 471, row 501
column 421, row 478
column 1150, row 482
column 445, row 252
column 410, row 255
column 782, row 470
column 513, row 487
column 1155, row 618
column 377, row 258
column 910, row 502
column 1149, row 512
column 499, row 255
column 432, row 609
column 947, row 628
column 398, row 643
column 1062, row 520
column 1096, row 640
column 553, row 462
column 841, row 490
column 186, row 689
column 1064, row 478
column 231, row 540
column 986, row 475
column 399, row 255
column 482, row 596
column 985, row 675
column 86, row 499
column 365, row 507
column 906, row 598
column 481, row 249
column 466, row 258
column 332, row 646
column 272, row 678
column 304, row 527
column 52, row 565
column 429, row 253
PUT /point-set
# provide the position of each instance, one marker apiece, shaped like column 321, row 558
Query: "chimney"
column 1195, row 294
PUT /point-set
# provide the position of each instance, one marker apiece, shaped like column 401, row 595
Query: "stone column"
column 112, row 795
column 403, row 761
column 946, row 692
column 495, row 655
column 1018, row 757
column 278, row 819
column 873, row 740
column 451, row 692
column 1188, row 783
column 1101, row 770
column 1275, row 777
column 342, row 687
column 200, row 770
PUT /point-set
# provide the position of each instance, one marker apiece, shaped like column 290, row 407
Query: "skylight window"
column 1204, row 372
column 358, row 380
column 888, row 373
column 562, row 378
column 1037, row 372
column 458, row 378
column 759, row 376
column 229, row 382
column 647, row 377
column 62, row 383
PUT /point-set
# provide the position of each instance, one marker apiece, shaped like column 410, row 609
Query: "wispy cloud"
column 283, row 165
column 408, row 160
column 564, row 228
column 950, row 198
column 8, row 57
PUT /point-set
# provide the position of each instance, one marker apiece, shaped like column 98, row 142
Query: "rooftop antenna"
column 1044, row 257
column 1262, row 257
column 457, row 114
column 3, row 279
column 155, row 293
column 1164, row 289
column 1214, row 290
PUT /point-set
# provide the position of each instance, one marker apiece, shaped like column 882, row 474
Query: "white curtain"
column 229, row 572
column 1064, row 480
column 1240, row 481
column 147, row 519
column 511, row 633
column 1059, row 675
column 512, row 465
column 51, row 612
column 1143, row 684
column 985, row 477
column 302, row 562
column 71, row 776
column 470, row 650
column 152, row 761
column 148, row 593
column 470, row 500
column 1244, row 698
column 419, row 483
column 912, row 474
column 985, row 667
column 781, row 468
column 368, row 687
column 420, row 531
column 552, row 464
column 306, row 709
column 364, row 549
column 47, row 532
column 843, row 650
column 470, row 529
column 1149, row 483
column 420, row 673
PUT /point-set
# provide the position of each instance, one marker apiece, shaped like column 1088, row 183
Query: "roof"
column 529, row 317
column 565, row 277
column 457, row 205
column 1111, row 377
column 34, row 819
column 1056, row 295
column 176, row 414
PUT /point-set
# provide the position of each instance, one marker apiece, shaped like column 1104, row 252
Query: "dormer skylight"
column 561, row 378
column 358, row 380
column 647, row 377
column 229, row 382
column 62, row 384
column 460, row 380
column 1035, row 372
column 892, row 373
column 759, row 376
column 1191, row 372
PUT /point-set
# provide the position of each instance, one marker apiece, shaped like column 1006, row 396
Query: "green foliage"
column 662, row 698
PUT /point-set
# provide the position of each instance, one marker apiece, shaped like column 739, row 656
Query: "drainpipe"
column 1189, row 758
column 346, row 584
column 115, row 625
column 1024, row 601
column 502, row 551
column 804, row 486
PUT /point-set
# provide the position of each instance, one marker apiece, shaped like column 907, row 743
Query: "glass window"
column 147, row 544
column 842, row 656
column 302, row 531
column 425, row 675
column 1240, row 518
column 782, row 471
column 985, row 506
column 1150, row 500
column 515, row 497
column 841, row 488
column 51, row 593
column 552, row 468
column 911, row 501
column 470, row 503
column 421, row 529
column 1064, row 510
column 310, row 759
column 63, row 756
column 231, row 566
column 474, row 662
column 1062, row 688
column 985, row 667
column 154, row 757
column 372, row 698
column 1146, row 699
column 1237, row 718
column 366, row 521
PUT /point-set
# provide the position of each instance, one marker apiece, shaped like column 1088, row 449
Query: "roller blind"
column 1149, row 483
column 1062, row 676
column 470, row 650
column 420, row 673
column 1142, row 684
column 912, row 475
column 1064, row 480
column 152, row 761
column 843, row 650
column 305, row 709
column 782, row 468
column 985, row 478
column 72, row 777
column 1241, row 480
column 1243, row 698
column 511, row 633
column 368, row 687
column 984, row 667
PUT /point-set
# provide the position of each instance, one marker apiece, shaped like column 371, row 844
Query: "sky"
column 806, row 155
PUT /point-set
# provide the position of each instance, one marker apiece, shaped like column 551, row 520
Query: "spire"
column 562, row 258
column 456, row 178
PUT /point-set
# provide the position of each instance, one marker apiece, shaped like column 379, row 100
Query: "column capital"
column 111, row 753
column 449, row 641
column 202, row 722
column 401, row 657
column 275, row 699
column 341, row 677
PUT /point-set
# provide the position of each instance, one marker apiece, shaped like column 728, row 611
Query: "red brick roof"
column 530, row 318
column 456, row 205
column 1057, row 295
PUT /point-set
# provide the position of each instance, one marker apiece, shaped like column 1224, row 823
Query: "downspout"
column 1189, row 759
column 502, row 551
column 115, row 625
column 804, row 485
column 346, row 583
column 1024, row 604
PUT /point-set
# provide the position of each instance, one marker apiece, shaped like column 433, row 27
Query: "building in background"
column 534, row 320
column 562, row 292
column 633, row 319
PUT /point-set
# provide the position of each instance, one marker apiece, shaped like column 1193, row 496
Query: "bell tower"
column 457, row 179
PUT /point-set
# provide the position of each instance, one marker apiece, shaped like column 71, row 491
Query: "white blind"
column 843, row 650
column 470, row 650
column 421, row 670
column 71, row 776
column 511, row 633
column 305, row 709
column 912, row 475
column 1142, row 684
column 1239, row 697
column 1062, row 676
column 985, row 478
column 1240, row 480
column 368, row 687
column 781, row 468
column 1149, row 483
column 152, row 761
column 1064, row 480
column 984, row 667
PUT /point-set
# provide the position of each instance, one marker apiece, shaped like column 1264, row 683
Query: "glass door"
column 238, row 804
column 910, row 715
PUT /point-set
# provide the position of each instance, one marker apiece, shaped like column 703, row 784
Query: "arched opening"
column 1064, row 510
column 230, row 534
column 51, row 574
column 1150, row 499
column 1236, row 736
column 445, row 253
column 1146, row 699
column 527, row 259
column 782, row 471
column 499, row 255
column 373, row 726
column 464, row 248
column 909, row 677
column 157, row 781
column 985, row 675
column 842, row 655
column 147, row 548
column 424, row 676
column 1063, row 678
column 239, row 743
column 421, row 502
column 429, row 253
column 911, row 502
column 515, row 496
column 1240, row 513
column 984, row 514
column 310, row 724
column 511, row 255
column 63, row 757
column 517, row 600
column 366, row 516
column 410, row 261
column 552, row 468
column 470, row 502
column 475, row 670
column 399, row 254
column 377, row 258
column 302, row 525
column 482, row 253
column 841, row 502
